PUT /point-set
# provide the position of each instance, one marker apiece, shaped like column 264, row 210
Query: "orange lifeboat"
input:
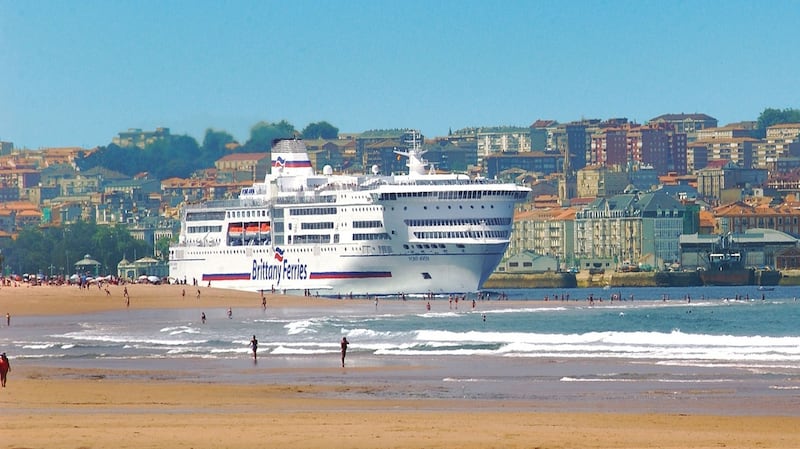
column 235, row 229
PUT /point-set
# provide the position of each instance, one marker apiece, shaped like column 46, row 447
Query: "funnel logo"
column 279, row 162
column 278, row 254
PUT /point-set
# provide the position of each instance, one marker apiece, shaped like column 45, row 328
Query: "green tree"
column 771, row 116
column 162, row 247
column 35, row 256
column 173, row 156
column 37, row 249
column 263, row 133
column 214, row 145
column 320, row 130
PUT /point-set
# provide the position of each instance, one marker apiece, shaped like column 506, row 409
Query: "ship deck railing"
column 308, row 196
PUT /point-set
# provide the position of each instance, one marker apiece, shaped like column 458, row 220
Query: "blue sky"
column 78, row 72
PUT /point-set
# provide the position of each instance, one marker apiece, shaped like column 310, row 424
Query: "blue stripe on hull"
column 351, row 275
column 226, row 277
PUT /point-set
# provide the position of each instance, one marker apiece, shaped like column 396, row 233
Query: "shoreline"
column 50, row 409
column 309, row 402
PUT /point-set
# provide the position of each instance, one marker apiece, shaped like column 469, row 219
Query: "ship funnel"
column 290, row 158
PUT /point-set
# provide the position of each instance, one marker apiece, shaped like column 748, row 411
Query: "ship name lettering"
column 265, row 271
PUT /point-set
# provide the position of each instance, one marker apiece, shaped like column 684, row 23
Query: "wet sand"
column 53, row 407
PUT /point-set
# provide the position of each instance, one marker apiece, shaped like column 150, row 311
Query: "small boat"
column 766, row 289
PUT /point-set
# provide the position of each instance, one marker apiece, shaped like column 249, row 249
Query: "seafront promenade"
column 610, row 279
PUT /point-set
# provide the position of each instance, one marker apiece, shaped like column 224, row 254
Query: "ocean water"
column 496, row 348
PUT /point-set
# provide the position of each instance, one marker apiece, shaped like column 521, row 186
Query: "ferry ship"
column 336, row 235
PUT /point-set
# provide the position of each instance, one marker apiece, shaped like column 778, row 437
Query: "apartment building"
column 531, row 161
column 780, row 150
column 542, row 134
column 597, row 182
column 6, row 148
column 503, row 139
column 738, row 217
column 243, row 167
column 689, row 124
column 720, row 175
column 573, row 140
column 657, row 145
column 635, row 228
column 609, row 147
column 739, row 150
column 724, row 132
column 135, row 137
column 544, row 231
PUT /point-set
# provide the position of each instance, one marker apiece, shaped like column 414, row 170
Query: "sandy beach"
column 56, row 407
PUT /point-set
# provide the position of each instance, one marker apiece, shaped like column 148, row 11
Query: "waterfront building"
column 761, row 248
column 737, row 217
column 547, row 232
column 629, row 228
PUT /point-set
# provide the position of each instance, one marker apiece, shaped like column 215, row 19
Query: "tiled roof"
column 244, row 157
column 543, row 123
column 677, row 117
column 784, row 126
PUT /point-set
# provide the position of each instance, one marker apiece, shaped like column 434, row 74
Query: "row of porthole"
column 472, row 206
column 246, row 214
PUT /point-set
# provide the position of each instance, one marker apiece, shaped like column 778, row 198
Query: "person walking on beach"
column 5, row 367
column 254, row 344
column 344, row 349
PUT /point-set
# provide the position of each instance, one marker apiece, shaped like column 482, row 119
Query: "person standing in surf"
column 344, row 344
column 254, row 344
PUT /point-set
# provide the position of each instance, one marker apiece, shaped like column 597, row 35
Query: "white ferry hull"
column 337, row 235
column 345, row 275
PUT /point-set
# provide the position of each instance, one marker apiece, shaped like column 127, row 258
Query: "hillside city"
column 606, row 194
